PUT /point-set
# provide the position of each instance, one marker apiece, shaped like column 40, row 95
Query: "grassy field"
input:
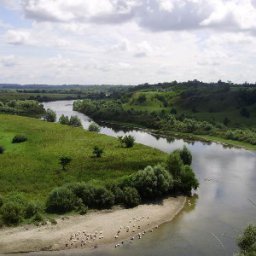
column 32, row 167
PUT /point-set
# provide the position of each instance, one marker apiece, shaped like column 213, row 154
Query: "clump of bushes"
column 19, row 139
column 126, row 141
column 73, row 121
column 15, row 208
column 2, row 149
column 93, row 127
column 64, row 161
column 131, row 197
column 50, row 116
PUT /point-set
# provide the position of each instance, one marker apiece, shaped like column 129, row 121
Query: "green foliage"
column 248, row 136
column 103, row 198
column 131, row 197
column 245, row 112
column 2, row 150
column 152, row 182
column 247, row 241
column 97, row 152
column 174, row 164
column 75, row 121
column 93, row 127
column 64, row 120
column 50, row 115
column 1, row 201
column 64, row 161
column 31, row 210
column 61, row 200
column 12, row 213
column 126, row 141
column 187, row 180
column 19, row 139
column 185, row 156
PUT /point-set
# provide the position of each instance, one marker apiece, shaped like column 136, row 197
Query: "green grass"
column 32, row 167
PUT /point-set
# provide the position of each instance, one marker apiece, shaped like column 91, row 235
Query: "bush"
column 97, row 152
column 31, row 210
column 64, row 120
column 93, row 127
column 12, row 213
column 19, row 139
column 131, row 197
column 127, row 141
column 50, row 115
column 2, row 150
column 61, row 200
column 247, row 241
column 118, row 193
column 152, row 182
column 185, row 156
column 103, row 198
column 75, row 121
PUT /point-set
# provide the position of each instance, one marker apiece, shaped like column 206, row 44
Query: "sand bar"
column 116, row 226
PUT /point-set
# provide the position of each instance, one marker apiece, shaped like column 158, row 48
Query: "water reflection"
column 223, row 207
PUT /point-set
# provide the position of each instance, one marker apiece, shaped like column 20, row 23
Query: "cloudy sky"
column 127, row 41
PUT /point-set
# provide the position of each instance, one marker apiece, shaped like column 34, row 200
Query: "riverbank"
column 117, row 227
column 186, row 136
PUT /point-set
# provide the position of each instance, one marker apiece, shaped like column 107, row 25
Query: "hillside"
column 32, row 167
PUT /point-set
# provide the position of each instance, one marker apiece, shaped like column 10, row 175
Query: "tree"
column 152, row 182
column 12, row 213
column 93, row 127
column 50, row 115
column 188, row 180
column 75, row 121
column 186, row 156
column 64, row 120
column 174, row 164
column 247, row 241
column 64, row 161
column 97, row 152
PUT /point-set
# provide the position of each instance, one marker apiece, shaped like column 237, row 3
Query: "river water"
column 221, row 208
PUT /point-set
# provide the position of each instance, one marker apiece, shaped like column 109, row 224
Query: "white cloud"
column 8, row 61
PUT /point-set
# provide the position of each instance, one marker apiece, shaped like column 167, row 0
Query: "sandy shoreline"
column 91, row 230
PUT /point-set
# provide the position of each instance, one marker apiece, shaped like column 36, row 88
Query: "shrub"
column 61, row 200
column 152, row 182
column 75, row 121
column 64, row 120
column 127, row 141
column 93, row 127
column 50, row 115
column 131, row 197
column 118, row 193
column 12, row 213
column 2, row 150
column 64, row 161
column 97, row 152
column 247, row 241
column 19, row 139
column 38, row 217
column 185, row 156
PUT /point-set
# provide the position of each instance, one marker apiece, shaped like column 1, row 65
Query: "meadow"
column 33, row 168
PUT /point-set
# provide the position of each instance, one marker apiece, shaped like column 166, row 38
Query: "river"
column 221, row 208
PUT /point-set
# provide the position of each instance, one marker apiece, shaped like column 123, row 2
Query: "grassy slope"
column 209, row 105
column 32, row 167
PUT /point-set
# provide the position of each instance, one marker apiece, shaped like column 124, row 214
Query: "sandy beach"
column 116, row 226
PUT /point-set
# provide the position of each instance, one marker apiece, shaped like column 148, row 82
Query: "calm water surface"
column 223, row 205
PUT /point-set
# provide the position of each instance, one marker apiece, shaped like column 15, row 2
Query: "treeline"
column 113, row 110
column 22, row 107
column 173, row 177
